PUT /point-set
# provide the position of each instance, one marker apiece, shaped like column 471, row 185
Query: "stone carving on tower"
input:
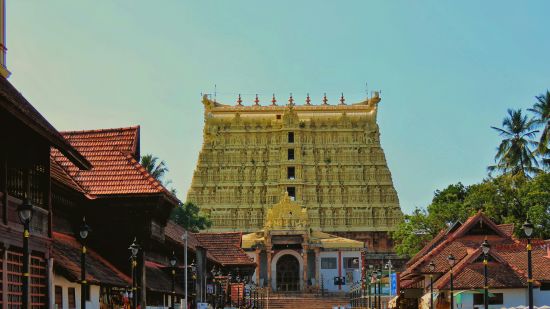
column 327, row 157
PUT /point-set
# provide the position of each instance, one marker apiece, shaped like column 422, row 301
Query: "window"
column 328, row 263
column 290, row 154
column 278, row 117
column 291, row 192
column 58, row 297
column 351, row 262
column 291, row 172
column 291, row 137
column 72, row 298
column 495, row 299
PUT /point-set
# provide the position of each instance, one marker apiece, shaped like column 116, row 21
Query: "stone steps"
column 306, row 302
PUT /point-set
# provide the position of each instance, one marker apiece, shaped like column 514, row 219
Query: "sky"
column 447, row 70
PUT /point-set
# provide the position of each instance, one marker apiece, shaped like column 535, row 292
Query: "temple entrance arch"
column 287, row 269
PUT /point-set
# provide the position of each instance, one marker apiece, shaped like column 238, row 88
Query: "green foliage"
column 541, row 111
column 515, row 153
column 504, row 199
column 188, row 215
column 157, row 170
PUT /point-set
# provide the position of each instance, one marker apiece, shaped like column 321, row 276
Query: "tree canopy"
column 504, row 199
column 188, row 215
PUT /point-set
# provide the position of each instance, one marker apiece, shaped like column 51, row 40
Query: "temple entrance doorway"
column 288, row 273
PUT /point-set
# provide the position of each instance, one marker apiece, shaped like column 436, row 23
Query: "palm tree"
column 541, row 109
column 149, row 162
column 514, row 155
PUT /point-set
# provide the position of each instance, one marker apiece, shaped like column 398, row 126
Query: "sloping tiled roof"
column 159, row 280
column 508, row 228
column 507, row 269
column 498, row 276
column 14, row 103
column 66, row 252
column 114, row 154
column 61, row 176
column 225, row 248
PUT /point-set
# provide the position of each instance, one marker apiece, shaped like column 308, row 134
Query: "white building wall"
column 66, row 284
column 541, row 298
column 329, row 274
column 511, row 298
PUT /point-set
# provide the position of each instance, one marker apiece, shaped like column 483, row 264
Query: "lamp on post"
column 173, row 262
column 388, row 266
column 185, row 236
column 485, row 247
column 528, row 230
column 431, row 267
column 375, row 277
column 379, row 276
column 451, row 259
column 84, row 231
column 25, row 212
column 134, row 249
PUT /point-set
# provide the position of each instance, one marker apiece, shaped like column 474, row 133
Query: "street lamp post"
column 84, row 231
column 371, row 274
column 185, row 237
column 193, row 268
column 485, row 247
column 431, row 267
column 388, row 267
column 528, row 229
column 25, row 212
column 173, row 262
column 375, row 277
column 134, row 249
column 379, row 288
column 452, row 262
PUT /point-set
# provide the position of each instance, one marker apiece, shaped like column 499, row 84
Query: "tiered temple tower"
column 327, row 157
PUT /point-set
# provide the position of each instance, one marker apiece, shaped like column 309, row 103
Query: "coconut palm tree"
column 541, row 109
column 158, row 171
column 514, row 154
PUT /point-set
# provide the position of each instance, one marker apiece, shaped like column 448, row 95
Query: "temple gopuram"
column 328, row 158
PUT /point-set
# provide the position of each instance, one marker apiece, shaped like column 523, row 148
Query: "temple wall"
column 332, row 161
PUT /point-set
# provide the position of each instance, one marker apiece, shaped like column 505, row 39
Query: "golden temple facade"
column 327, row 157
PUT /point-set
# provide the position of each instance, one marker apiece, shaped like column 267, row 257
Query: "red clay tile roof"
column 508, row 228
column 159, row 280
column 61, row 176
column 225, row 248
column 116, row 171
column 498, row 275
column 509, row 268
column 13, row 102
column 66, row 253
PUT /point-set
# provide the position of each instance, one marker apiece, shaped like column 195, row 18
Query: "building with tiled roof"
column 507, row 267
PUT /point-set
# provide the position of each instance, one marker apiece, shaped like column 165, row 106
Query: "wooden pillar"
column 4, row 187
column 268, row 250
column 4, row 276
column 317, row 267
column 258, row 267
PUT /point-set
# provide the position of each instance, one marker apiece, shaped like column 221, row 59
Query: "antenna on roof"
column 215, row 92
column 367, row 89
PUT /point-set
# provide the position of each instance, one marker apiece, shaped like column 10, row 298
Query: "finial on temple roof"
column 239, row 100
column 342, row 100
column 256, row 100
column 308, row 100
column 325, row 100
column 273, row 100
column 291, row 100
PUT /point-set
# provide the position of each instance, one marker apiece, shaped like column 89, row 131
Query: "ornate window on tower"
column 291, row 172
column 290, row 154
column 291, row 193
column 291, row 137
